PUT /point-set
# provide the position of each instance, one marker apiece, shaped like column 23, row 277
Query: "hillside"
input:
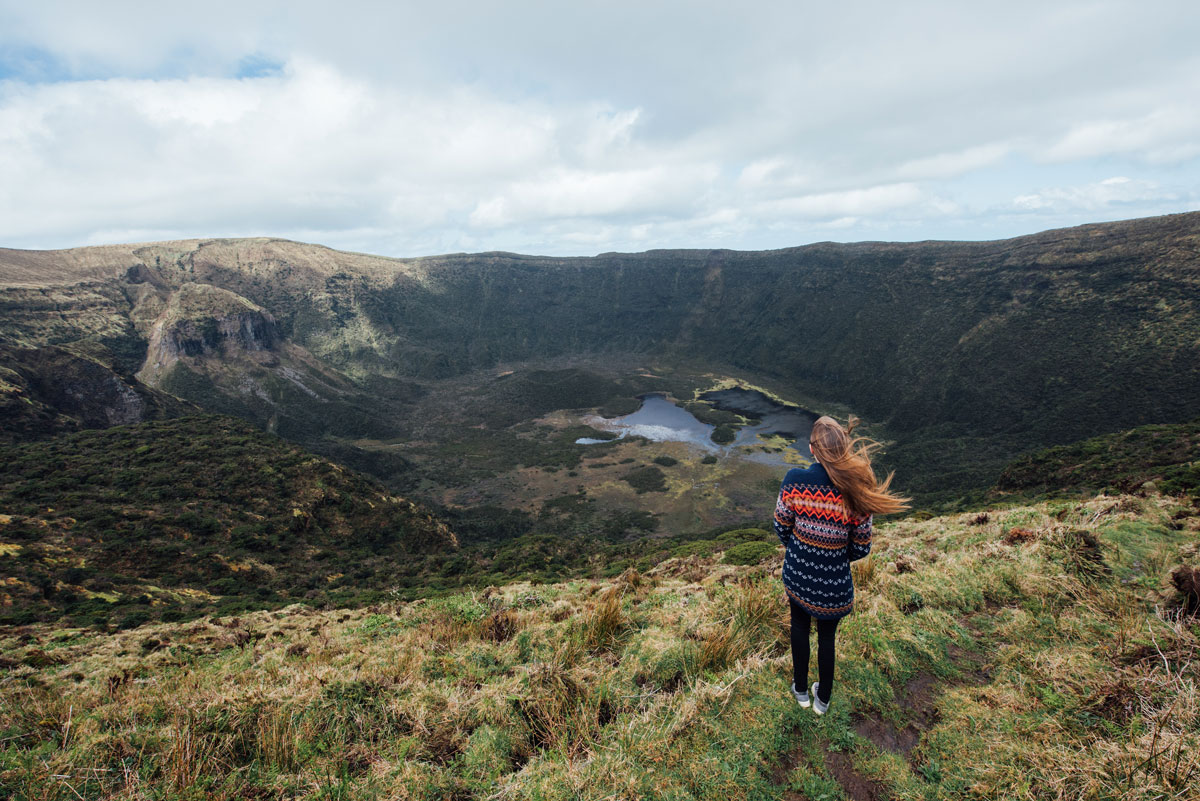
column 55, row 389
column 1038, row 652
column 1158, row 457
column 204, row 514
column 964, row 354
column 178, row 518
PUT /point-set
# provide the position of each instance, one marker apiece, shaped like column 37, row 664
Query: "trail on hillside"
column 917, row 703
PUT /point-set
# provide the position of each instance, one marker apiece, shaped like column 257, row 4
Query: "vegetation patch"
column 749, row 553
column 194, row 515
column 1167, row 455
column 646, row 479
column 723, row 434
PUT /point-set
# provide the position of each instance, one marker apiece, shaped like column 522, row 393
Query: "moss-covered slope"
column 183, row 516
column 1166, row 456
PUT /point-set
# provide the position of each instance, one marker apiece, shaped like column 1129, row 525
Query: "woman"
column 823, row 518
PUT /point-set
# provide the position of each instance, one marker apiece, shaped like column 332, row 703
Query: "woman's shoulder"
column 814, row 474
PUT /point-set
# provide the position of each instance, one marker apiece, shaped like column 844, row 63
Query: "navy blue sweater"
column 822, row 538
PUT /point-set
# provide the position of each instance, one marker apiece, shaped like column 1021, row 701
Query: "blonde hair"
column 848, row 462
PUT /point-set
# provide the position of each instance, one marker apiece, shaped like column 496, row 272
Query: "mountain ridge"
column 12, row 259
column 964, row 353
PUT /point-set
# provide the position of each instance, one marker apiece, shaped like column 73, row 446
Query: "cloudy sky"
column 573, row 128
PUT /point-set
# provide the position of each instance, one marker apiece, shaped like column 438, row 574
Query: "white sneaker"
column 801, row 698
column 818, row 706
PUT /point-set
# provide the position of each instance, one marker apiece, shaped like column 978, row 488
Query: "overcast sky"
column 573, row 128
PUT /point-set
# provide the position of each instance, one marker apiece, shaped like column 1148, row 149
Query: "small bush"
column 646, row 479
column 696, row 548
column 723, row 434
column 666, row 461
column 740, row 535
column 134, row 619
column 749, row 553
column 461, row 608
column 499, row 626
column 1083, row 554
column 1182, row 480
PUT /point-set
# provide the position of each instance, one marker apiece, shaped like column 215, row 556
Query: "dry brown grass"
column 603, row 623
column 647, row 686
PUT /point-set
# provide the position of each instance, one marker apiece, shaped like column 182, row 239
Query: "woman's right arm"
column 785, row 517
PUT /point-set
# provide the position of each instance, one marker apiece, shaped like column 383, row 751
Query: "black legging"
column 801, row 622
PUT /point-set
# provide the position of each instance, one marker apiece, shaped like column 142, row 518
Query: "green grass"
column 1166, row 455
column 1017, row 676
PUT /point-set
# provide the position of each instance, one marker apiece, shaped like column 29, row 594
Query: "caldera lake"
column 660, row 420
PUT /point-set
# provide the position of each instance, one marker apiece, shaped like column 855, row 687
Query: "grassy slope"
column 1122, row 462
column 1002, row 655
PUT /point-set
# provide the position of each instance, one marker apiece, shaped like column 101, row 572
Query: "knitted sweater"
column 822, row 538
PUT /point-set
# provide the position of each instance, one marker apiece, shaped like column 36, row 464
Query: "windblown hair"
column 848, row 462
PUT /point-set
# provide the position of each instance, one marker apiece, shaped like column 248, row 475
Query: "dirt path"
column 918, row 700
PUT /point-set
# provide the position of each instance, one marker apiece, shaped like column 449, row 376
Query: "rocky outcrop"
column 225, row 352
column 200, row 320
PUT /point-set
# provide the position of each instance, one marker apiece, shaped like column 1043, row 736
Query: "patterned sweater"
column 822, row 538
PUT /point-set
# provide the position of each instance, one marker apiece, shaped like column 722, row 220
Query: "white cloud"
column 1170, row 134
column 1095, row 197
column 411, row 128
column 949, row 165
column 308, row 143
column 849, row 203
column 580, row 193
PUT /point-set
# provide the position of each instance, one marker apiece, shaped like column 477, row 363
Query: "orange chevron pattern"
column 818, row 503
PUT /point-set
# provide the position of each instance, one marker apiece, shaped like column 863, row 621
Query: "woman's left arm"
column 860, row 538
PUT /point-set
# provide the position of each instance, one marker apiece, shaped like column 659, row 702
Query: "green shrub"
column 723, row 434
column 666, row 461
column 134, row 619
column 696, row 548
column 463, row 608
column 749, row 553
column 746, row 535
column 646, row 479
column 1182, row 480
column 378, row 626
